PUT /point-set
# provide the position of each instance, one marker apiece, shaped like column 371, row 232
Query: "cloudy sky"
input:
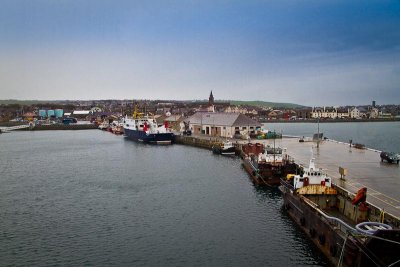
column 310, row 52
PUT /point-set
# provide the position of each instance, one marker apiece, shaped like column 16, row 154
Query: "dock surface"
column 364, row 169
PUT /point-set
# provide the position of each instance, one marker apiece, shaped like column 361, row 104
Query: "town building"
column 373, row 113
column 355, row 113
column 304, row 113
column 325, row 112
column 222, row 124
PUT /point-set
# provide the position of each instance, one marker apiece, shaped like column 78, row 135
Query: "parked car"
column 390, row 157
column 68, row 121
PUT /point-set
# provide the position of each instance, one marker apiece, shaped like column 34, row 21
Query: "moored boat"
column 145, row 129
column 225, row 148
column 104, row 125
column 266, row 166
column 117, row 127
column 345, row 229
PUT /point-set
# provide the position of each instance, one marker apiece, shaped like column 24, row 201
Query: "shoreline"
column 329, row 121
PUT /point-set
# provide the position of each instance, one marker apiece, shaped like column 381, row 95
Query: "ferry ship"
column 145, row 129
column 348, row 230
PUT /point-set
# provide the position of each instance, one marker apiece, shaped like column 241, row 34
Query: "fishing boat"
column 117, row 127
column 266, row 166
column 104, row 125
column 346, row 229
column 145, row 129
column 225, row 148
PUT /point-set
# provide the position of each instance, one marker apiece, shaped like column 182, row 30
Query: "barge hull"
column 330, row 239
column 259, row 178
column 141, row 136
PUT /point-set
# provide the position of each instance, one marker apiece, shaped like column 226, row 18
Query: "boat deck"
column 364, row 169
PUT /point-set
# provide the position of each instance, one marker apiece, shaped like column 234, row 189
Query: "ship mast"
column 274, row 145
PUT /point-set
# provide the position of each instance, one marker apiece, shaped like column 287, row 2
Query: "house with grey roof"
column 222, row 124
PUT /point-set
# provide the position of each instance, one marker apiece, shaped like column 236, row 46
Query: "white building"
column 236, row 109
column 95, row 109
column 373, row 113
column 325, row 112
column 222, row 124
column 355, row 113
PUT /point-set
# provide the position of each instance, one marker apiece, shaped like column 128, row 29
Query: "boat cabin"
column 312, row 176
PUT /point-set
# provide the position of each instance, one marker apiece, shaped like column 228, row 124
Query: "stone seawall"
column 194, row 141
column 62, row 127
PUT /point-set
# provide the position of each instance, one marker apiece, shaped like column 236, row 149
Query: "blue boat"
column 146, row 129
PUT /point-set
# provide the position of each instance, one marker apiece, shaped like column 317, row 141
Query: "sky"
column 309, row 52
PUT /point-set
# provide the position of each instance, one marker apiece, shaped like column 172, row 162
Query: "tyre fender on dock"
column 312, row 232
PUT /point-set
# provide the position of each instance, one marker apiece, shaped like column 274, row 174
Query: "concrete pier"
column 364, row 168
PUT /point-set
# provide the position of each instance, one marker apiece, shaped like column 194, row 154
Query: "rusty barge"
column 343, row 228
column 267, row 165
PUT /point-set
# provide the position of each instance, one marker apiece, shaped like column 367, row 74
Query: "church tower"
column 211, row 99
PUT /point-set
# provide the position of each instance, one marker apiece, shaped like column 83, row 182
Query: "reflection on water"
column 92, row 198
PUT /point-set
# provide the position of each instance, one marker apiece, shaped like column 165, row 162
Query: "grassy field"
column 266, row 104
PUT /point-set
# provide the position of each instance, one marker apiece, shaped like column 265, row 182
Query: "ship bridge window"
column 301, row 179
column 141, row 125
column 327, row 180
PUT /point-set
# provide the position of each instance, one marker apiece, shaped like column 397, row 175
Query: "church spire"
column 211, row 99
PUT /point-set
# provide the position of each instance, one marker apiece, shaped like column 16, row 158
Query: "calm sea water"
column 89, row 198
column 377, row 135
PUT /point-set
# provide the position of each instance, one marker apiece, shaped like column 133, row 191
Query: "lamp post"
column 318, row 135
column 201, row 123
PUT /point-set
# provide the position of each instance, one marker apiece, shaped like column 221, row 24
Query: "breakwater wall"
column 206, row 143
column 62, row 127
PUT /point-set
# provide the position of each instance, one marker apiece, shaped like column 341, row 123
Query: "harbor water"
column 90, row 198
column 376, row 135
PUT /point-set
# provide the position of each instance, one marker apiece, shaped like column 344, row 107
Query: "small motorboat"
column 225, row 148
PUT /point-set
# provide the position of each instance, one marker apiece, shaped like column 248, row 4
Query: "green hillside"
column 266, row 104
column 24, row 102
